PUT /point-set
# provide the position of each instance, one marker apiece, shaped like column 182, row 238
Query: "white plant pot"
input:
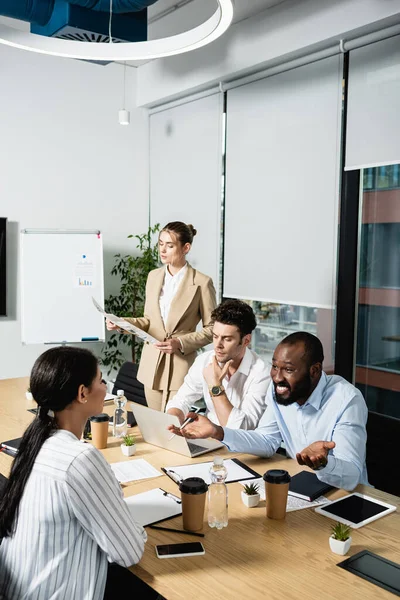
column 339, row 547
column 250, row 501
column 128, row 450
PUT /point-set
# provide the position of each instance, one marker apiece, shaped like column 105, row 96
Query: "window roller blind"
column 283, row 147
column 373, row 117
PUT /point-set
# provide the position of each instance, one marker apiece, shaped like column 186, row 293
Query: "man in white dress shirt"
column 232, row 379
column 320, row 418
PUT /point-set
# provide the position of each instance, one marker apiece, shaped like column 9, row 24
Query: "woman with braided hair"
column 62, row 516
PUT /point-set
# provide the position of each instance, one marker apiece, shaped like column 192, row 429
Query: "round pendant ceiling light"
column 197, row 37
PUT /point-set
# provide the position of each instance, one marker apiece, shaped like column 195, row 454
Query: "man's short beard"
column 302, row 390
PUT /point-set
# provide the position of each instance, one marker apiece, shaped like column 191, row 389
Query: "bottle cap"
column 276, row 476
column 193, row 485
column 120, row 392
column 99, row 418
column 218, row 460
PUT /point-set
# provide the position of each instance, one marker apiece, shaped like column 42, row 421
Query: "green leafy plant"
column 340, row 532
column 129, row 440
column 133, row 272
column 251, row 489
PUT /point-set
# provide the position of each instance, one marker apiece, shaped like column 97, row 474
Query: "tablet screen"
column 375, row 569
column 354, row 509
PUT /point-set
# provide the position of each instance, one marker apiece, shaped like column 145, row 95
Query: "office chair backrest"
column 383, row 464
column 127, row 380
column 3, row 483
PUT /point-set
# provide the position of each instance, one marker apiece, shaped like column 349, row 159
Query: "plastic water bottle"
column 218, row 495
column 120, row 416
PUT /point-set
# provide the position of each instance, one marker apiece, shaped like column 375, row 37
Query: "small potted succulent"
column 250, row 495
column 128, row 445
column 340, row 539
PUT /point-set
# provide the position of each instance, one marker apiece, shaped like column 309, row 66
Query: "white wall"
column 65, row 162
column 287, row 30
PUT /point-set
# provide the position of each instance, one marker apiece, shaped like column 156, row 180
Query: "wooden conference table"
column 254, row 557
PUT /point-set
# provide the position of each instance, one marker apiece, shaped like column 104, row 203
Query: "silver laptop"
column 153, row 427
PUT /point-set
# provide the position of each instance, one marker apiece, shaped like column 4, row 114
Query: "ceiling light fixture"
column 195, row 38
column 124, row 116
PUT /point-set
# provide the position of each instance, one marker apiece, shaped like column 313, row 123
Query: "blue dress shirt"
column 335, row 411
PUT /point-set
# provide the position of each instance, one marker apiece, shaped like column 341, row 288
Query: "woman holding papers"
column 62, row 516
column 178, row 297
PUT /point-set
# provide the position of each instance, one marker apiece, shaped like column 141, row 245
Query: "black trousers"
column 121, row 583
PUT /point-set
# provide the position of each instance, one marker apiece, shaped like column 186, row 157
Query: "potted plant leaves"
column 250, row 495
column 128, row 445
column 340, row 539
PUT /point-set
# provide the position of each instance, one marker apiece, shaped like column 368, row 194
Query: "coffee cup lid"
column 276, row 476
column 193, row 485
column 101, row 418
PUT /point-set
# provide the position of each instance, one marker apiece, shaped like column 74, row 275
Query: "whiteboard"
column 60, row 272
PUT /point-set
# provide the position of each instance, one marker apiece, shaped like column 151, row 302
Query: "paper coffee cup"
column 99, row 429
column 276, row 492
column 193, row 494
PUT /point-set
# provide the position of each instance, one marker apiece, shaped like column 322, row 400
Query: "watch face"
column 216, row 390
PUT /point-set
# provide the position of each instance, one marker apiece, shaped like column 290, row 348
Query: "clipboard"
column 154, row 506
column 237, row 471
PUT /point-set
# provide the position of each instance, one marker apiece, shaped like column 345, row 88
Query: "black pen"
column 177, row 530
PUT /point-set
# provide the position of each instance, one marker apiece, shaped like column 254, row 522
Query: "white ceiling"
column 169, row 17
column 243, row 8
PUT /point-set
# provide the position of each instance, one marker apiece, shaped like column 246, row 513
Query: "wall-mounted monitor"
column 3, row 266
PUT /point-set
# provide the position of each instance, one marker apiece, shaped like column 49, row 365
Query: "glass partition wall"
column 378, row 323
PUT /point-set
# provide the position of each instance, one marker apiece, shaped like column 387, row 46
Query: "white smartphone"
column 177, row 550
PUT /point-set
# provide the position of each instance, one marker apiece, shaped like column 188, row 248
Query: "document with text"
column 125, row 325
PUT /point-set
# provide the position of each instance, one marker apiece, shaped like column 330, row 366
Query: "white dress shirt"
column 169, row 289
column 72, row 520
column 335, row 411
column 245, row 390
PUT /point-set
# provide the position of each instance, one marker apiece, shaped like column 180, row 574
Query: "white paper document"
column 134, row 470
column 293, row 503
column 153, row 506
column 236, row 471
column 124, row 324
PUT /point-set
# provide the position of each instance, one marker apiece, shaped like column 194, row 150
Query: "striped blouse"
column 72, row 520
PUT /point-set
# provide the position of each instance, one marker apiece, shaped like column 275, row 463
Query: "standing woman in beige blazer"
column 177, row 298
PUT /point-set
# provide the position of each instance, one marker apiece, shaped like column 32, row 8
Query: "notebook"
column 11, row 446
column 307, row 486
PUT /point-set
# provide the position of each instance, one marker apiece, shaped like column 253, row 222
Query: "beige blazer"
column 193, row 302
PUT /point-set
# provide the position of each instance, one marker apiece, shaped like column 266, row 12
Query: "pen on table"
column 177, row 530
column 172, row 496
column 186, row 422
column 168, row 472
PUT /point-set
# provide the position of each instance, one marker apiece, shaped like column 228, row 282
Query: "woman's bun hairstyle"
column 184, row 233
column 192, row 229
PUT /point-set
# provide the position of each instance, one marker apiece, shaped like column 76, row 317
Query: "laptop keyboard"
column 195, row 448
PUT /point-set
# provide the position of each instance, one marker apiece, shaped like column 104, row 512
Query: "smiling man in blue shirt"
column 320, row 418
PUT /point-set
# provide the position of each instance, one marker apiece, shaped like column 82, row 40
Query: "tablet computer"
column 356, row 510
column 374, row 568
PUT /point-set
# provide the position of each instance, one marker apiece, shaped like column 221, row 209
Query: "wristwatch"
column 217, row 390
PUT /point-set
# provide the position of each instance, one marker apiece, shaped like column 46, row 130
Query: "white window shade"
column 373, row 115
column 186, row 172
column 283, row 143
